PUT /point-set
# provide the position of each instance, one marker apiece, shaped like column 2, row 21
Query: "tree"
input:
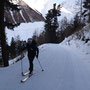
column 18, row 45
column 41, row 38
column 35, row 35
column 64, row 23
column 13, row 48
column 87, row 9
column 51, row 24
column 3, row 23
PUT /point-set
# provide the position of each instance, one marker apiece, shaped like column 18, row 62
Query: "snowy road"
column 64, row 69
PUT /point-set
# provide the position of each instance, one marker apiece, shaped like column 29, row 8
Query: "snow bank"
column 85, row 47
column 73, row 42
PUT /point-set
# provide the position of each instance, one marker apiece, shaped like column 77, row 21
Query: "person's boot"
column 31, row 73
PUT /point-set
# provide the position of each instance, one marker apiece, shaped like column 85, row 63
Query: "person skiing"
column 33, row 51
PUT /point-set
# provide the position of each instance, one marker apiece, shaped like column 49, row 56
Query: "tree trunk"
column 89, row 17
column 5, row 56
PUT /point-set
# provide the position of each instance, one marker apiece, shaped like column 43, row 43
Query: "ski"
column 24, row 74
column 25, row 79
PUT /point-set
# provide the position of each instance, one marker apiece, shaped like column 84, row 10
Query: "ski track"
column 64, row 69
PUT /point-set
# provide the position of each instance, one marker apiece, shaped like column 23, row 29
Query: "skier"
column 33, row 51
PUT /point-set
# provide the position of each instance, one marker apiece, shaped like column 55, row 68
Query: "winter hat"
column 29, row 39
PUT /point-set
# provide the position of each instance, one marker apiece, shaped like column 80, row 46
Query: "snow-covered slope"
column 80, row 40
column 64, row 69
column 25, row 31
column 67, row 10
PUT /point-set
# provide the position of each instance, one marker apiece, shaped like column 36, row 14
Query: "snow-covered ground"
column 65, row 68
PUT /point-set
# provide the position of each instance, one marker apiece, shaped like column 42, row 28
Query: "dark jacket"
column 32, row 50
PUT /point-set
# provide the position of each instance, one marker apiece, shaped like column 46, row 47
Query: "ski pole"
column 21, row 67
column 40, row 65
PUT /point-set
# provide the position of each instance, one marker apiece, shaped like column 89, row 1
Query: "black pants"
column 31, row 58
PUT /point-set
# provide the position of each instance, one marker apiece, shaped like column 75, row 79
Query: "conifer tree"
column 13, row 48
column 51, row 24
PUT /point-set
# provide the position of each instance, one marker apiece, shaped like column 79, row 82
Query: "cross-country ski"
column 26, row 73
column 26, row 78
